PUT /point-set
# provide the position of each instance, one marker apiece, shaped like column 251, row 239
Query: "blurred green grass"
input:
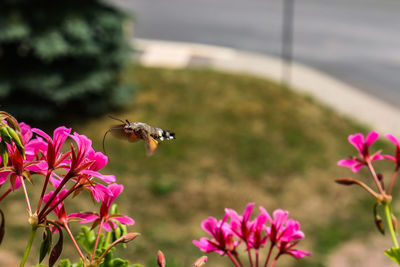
column 239, row 139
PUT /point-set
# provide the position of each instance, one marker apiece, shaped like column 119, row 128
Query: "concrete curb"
column 343, row 98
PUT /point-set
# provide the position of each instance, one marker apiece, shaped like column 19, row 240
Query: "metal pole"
column 287, row 41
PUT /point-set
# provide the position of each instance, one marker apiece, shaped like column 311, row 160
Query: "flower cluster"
column 277, row 231
column 69, row 172
column 366, row 159
column 382, row 194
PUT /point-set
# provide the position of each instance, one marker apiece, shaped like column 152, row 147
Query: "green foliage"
column 394, row 254
column 62, row 58
column 87, row 239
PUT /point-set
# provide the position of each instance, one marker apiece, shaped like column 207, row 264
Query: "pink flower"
column 395, row 158
column 285, row 233
column 362, row 145
column 222, row 234
column 104, row 217
column 258, row 228
column 18, row 167
column 240, row 225
column 54, row 158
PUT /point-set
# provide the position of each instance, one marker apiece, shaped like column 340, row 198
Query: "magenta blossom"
column 259, row 229
column 54, row 158
column 104, row 218
column 240, row 225
column 222, row 234
column 362, row 145
column 83, row 168
column 285, row 233
column 19, row 167
column 395, row 158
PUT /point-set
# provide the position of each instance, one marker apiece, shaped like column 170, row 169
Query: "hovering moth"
column 135, row 131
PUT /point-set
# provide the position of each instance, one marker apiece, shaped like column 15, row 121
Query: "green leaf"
column 46, row 244
column 394, row 254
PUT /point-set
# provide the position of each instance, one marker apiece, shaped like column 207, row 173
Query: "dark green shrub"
column 62, row 58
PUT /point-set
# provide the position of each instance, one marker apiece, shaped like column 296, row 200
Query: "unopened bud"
column 395, row 223
column 128, row 237
column 200, row 261
column 160, row 259
column 379, row 224
column 381, row 181
column 346, row 181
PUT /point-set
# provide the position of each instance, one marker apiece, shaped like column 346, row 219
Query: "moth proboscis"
column 135, row 131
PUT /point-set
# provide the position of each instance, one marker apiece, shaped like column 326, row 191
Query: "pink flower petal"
column 297, row 253
column 124, row 220
column 109, row 225
column 357, row 140
column 371, row 138
column 247, row 212
column 85, row 217
column 393, row 139
column 41, row 133
column 347, row 162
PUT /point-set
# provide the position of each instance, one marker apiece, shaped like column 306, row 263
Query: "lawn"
column 239, row 139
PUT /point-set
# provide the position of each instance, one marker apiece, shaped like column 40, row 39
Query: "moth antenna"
column 104, row 137
column 114, row 118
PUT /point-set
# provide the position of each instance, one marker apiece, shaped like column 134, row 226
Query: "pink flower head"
column 362, row 145
column 52, row 153
column 77, row 162
column 258, row 228
column 285, row 233
column 104, row 217
column 222, row 234
column 395, row 158
column 240, row 225
column 83, row 167
column 98, row 160
column 18, row 167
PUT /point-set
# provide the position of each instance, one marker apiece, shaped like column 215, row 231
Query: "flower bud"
column 395, row 223
column 160, row 259
column 379, row 224
column 17, row 138
column 380, row 179
column 128, row 237
column 200, row 261
column 346, row 181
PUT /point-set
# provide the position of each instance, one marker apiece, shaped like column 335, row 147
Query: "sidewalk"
column 343, row 98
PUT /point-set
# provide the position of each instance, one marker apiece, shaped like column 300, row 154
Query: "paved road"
column 356, row 41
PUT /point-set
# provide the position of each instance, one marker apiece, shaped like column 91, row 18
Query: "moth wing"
column 151, row 145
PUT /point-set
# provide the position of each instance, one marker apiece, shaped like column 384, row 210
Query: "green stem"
column 388, row 214
column 29, row 246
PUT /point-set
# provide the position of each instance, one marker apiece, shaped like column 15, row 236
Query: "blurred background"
column 239, row 139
